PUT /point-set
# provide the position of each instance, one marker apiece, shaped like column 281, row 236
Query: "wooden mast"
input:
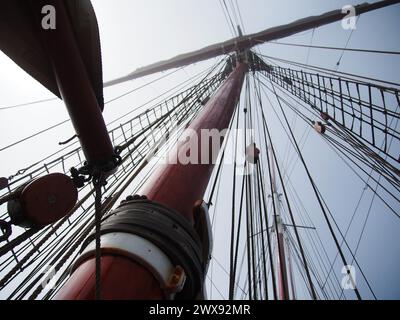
column 178, row 187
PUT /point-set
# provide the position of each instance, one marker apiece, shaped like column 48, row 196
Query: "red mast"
column 174, row 189
column 279, row 229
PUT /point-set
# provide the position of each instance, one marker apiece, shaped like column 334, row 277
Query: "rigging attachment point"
column 3, row 183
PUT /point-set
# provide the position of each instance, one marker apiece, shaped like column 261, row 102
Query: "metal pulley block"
column 42, row 201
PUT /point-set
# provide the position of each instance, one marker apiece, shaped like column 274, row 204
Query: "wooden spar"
column 75, row 87
column 176, row 186
column 248, row 41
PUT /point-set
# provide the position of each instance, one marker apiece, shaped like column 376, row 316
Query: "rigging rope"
column 314, row 188
column 313, row 293
column 67, row 120
column 363, row 158
column 334, row 48
column 184, row 111
column 350, row 76
column 98, row 183
column 27, row 103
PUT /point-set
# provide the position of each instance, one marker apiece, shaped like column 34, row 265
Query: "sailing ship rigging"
column 100, row 218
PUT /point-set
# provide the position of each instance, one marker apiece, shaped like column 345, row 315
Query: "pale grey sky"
column 136, row 33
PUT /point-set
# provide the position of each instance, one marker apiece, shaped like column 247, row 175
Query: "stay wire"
column 314, row 296
column 334, row 48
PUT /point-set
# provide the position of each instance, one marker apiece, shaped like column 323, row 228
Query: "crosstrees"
column 354, row 113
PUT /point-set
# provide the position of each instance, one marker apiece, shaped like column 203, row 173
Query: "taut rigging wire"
column 67, row 120
column 345, row 75
column 334, row 48
column 313, row 293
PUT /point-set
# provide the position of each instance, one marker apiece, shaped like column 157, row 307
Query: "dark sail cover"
column 20, row 40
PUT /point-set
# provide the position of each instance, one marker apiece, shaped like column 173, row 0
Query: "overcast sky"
column 137, row 33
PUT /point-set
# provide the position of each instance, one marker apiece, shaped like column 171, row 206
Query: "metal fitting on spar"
column 160, row 239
